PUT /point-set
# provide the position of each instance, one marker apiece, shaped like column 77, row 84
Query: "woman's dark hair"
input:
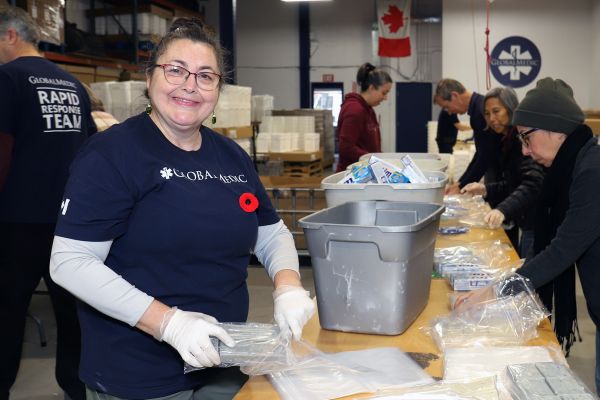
column 195, row 30
column 368, row 75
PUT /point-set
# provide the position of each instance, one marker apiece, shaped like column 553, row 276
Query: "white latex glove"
column 494, row 218
column 293, row 308
column 474, row 189
column 189, row 333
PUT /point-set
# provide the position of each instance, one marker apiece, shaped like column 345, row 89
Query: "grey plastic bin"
column 372, row 263
column 425, row 161
column 338, row 193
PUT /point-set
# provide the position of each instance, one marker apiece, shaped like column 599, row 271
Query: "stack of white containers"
column 261, row 106
column 279, row 134
column 234, row 108
column 101, row 89
column 122, row 99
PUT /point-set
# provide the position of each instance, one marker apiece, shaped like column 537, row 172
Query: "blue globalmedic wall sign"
column 516, row 61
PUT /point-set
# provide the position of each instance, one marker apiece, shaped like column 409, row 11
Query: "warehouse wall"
column 341, row 40
column 563, row 32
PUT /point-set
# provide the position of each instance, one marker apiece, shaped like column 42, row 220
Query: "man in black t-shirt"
column 452, row 96
column 447, row 131
column 44, row 119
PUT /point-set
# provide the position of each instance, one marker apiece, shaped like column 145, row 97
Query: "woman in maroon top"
column 358, row 128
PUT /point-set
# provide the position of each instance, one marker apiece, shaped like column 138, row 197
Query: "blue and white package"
column 413, row 172
column 453, row 230
column 358, row 174
column 384, row 173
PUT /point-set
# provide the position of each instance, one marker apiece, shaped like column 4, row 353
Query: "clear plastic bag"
column 259, row 349
column 475, row 265
column 479, row 389
column 321, row 376
column 505, row 313
column 547, row 380
column 479, row 362
column 459, row 205
column 467, row 209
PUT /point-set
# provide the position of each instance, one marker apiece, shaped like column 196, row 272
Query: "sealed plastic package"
column 259, row 349
column 547, row 380
column 474, row 265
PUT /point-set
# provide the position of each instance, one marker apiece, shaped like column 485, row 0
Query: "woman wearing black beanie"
column 551, row 127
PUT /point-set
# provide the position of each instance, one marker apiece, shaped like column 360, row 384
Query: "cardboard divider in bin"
column 425, row 161
column 372, row 263
column 338, row 193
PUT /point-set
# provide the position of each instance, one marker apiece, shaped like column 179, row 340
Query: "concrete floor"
column 36, row 375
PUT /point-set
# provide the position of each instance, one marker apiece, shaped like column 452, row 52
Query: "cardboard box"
column 49, row 15
column 82, row 73
column 297, row 156
column 592, row 113
column 239, row 132
column 594, row 124
column 104, row 74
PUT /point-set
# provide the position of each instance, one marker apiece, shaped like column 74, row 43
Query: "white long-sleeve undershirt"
column 79, row 267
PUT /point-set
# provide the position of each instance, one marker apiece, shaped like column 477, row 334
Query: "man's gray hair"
column 20, row 21
column 446, row 86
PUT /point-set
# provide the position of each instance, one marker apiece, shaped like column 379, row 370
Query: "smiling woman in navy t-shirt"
column 157, row 224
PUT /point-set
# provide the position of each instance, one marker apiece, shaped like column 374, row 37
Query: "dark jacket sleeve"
column 485, row 151
column 578, row 231
column 521, row 199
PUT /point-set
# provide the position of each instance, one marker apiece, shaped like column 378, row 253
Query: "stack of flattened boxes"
column 323, row 126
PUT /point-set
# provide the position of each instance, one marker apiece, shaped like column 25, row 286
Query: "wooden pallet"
column 302, row 169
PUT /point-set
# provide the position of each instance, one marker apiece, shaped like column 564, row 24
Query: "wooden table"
column 412, row 340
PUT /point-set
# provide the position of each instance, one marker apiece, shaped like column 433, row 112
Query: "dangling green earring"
column 214, row 118
column 149, row 109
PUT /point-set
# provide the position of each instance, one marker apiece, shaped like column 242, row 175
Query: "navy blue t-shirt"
column 47, row 111
column 180, row 235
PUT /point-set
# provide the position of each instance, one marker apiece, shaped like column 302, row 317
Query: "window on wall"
column 328, row 96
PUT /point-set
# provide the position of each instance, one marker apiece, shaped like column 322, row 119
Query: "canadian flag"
column 393, row 17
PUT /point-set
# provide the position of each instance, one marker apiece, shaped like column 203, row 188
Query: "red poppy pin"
column 248, row 202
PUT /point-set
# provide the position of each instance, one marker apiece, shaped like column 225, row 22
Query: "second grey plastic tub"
column 372, row 263
column 431, row 192
column 425, row 161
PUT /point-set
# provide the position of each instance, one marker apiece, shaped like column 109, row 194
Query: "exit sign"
column 328, row 78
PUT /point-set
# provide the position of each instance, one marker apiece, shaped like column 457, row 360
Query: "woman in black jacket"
column 514, row 194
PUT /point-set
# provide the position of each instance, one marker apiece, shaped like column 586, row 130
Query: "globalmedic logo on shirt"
column 168, row 173
column 516, row 61
column 59, row 103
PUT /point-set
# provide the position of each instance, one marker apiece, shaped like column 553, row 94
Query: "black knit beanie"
column 550, row 106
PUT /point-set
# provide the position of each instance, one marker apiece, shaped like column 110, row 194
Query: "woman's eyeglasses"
column 524, row 135
column 177, row 75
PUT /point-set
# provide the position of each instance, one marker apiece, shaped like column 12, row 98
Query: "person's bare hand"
column 494, row 219
column 474, row 297
column 452, row 189
column 474, row 189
